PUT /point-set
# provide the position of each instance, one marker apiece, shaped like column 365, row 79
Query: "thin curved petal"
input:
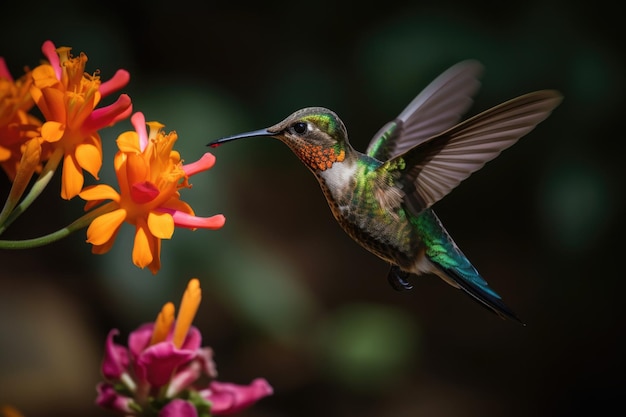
column 109, row 115
column 192, row 222
column 50, row 51
column 116, row 359
column 139, row 123
column 117, row 82
column 103, row 228
column 204, row 163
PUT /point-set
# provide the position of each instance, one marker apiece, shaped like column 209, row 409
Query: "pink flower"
column 163, row 366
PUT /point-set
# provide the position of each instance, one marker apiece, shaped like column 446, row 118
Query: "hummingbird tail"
column 470, row 281
column 448, row 262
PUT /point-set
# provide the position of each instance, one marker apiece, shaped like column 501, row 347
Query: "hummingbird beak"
column 254, row 133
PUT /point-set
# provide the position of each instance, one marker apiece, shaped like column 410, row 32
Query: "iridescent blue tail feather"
column 470, row 281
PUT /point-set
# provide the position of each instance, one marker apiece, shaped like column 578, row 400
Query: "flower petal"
column 161, row 225
column 204, row 163
column 139, row 123
column 52, row 131
column 28, row 164
column 102, row 249
column 137, row 168
column 155, row 265
column 185, row 220
column 201, row 366
column 117, row 82
column 89, row 156
column 144, row 243
column 228, row 398
column 99, row 192
column 178, row 408
column 139, row 339
column 110, row 399
column 205, row 356
column 128, row 142
column 103, row 228
column 176, row 204
column 116, row 359
column 157, row 363
column 50, row 101
column 50, row 51
column 109, row 115
column 72, row 178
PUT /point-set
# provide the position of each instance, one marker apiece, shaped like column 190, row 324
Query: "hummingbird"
column 383, row 198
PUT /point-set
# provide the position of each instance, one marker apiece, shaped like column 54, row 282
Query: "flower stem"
column 10, row 214
column 77, row 224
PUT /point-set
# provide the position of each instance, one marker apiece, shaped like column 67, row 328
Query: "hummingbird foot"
column 398, row 279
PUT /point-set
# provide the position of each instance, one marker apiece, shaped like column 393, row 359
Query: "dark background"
column 287, row 295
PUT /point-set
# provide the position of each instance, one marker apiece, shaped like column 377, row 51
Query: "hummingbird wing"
column 429, row 171
column 438, row 107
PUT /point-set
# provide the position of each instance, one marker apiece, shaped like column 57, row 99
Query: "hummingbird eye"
column 300, row 127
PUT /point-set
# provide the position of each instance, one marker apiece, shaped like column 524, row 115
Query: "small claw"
column 398, row 279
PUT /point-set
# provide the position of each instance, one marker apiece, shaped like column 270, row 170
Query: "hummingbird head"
column 315, row 134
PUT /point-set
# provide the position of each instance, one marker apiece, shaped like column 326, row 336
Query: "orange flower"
column 16, row 125
column 149, row 173
column 67, row 97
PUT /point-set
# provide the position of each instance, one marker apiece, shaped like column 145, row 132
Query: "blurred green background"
column 287, row 295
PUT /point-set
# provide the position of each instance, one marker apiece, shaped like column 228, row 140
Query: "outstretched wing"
column 435, row 167
column 437, row 108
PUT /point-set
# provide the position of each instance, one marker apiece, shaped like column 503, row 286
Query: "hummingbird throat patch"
column 319, row 157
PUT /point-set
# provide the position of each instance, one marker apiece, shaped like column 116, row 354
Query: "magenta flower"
column 161, row 370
